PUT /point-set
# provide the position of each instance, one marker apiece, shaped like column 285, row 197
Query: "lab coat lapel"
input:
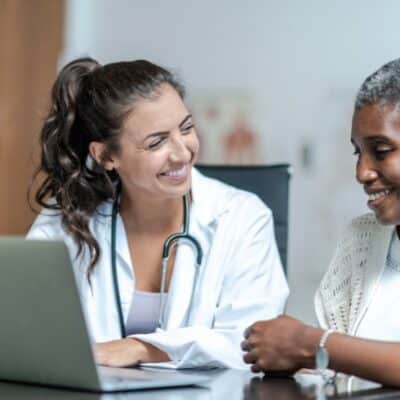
column 203, row 213
column 124, row 265
column 122, row 248
column 183, row 278
column 125, row 269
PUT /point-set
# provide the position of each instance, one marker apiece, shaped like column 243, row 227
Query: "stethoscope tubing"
column 114, row 269
column 169, row 242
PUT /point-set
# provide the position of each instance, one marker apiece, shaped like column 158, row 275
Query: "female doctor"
column 118, row 148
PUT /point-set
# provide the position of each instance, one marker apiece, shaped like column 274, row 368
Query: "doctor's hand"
column 282, row 344
column 127, row 352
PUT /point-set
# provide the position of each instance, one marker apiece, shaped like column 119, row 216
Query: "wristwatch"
column 322, row 355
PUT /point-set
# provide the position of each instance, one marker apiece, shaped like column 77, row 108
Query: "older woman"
column 358, row 301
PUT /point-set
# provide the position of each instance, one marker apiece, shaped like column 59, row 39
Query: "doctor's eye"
column 187, row 128
column 155, row 144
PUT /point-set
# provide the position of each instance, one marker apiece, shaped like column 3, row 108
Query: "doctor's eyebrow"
column 164, row 133
column 189, row 116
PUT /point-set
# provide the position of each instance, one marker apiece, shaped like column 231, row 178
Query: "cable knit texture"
column 353, row 274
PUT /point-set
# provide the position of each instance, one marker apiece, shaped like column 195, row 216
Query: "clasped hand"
column 282, row 344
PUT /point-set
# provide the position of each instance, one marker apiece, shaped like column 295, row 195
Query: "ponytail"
column 71, row 179
column 89, row 102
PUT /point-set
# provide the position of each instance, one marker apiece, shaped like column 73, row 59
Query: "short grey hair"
column 382, row 87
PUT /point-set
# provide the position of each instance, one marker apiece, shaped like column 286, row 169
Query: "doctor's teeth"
column 177, row 172
column 377, row 195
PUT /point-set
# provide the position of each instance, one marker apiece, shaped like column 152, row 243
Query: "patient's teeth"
column 377, row 195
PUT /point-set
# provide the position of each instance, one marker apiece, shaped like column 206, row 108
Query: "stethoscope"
column 170, row 241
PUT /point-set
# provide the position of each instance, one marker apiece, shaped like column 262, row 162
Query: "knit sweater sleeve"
column 336, row 298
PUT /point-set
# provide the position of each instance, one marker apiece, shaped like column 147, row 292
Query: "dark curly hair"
column 89, row 102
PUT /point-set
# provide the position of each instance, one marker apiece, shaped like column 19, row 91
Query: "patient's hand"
column 127, row 352
column 280, row 344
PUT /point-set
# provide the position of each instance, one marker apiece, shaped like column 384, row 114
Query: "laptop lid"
column 43, row 334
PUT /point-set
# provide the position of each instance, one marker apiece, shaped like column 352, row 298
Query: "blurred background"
column 268, row 81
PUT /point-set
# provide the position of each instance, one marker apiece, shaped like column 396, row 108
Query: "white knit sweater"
column 348, row 286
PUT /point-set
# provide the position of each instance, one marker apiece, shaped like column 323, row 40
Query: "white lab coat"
column 240, row 279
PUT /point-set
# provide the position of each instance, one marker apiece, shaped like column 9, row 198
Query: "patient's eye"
column 381, row 151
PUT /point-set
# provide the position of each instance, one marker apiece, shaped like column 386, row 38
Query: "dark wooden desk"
column 223, row 385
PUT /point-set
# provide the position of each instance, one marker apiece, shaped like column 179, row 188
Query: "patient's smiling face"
column 376, row 139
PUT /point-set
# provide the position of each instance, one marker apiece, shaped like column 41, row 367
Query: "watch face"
column 322, row 358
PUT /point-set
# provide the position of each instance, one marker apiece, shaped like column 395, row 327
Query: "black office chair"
column 270, row 183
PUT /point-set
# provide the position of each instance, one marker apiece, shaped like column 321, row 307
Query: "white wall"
column 303, row 60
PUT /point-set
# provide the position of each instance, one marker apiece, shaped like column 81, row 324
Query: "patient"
column 359, row 294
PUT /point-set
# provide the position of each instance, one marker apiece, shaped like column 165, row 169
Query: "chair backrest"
column 270, row 183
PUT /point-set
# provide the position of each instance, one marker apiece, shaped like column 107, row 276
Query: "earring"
column 90, row 163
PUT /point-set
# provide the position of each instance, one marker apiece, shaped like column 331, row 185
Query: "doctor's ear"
column 99, row 153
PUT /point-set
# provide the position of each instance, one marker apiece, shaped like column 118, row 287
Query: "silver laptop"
column 43, row 334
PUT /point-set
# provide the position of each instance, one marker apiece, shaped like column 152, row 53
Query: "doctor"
column 118, row 148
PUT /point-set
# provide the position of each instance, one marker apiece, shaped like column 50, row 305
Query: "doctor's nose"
column 179, row 152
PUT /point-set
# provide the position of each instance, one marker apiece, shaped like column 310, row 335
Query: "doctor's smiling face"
column 376, row 139
column 158, row 146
